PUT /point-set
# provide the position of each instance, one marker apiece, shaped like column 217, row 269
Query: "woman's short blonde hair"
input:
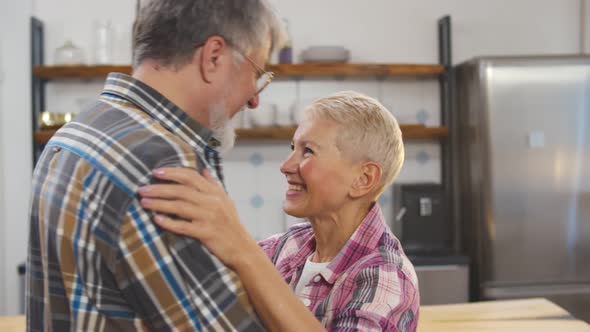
column 369, row 132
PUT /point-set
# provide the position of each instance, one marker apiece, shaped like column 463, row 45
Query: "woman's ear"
column 368, row 179
column 208, row 59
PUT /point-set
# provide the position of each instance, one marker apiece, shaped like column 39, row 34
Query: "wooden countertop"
column 12, row 323
column 537, row 315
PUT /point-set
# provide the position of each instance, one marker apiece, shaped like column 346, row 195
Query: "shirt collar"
column 160, row 108
column 364, row 240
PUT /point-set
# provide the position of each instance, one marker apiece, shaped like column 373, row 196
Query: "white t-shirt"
column 310, row 270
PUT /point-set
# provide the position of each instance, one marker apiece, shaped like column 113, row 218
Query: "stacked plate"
column 325, row 54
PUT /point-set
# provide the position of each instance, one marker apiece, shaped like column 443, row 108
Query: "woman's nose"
column 289, row 166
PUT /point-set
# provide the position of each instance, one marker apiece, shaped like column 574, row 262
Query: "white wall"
column 15, row 138
column 374, row 30
column 402, row 31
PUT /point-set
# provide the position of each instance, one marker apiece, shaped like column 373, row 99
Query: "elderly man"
column 96, row 261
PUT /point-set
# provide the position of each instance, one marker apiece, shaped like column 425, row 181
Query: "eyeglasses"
column 263, row 77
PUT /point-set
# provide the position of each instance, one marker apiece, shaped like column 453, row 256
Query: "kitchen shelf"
column 356, row 69
column 59, row 72
column 289, row 70
column 410, row 131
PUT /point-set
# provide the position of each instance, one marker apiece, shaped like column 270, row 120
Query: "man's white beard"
column 223, row 129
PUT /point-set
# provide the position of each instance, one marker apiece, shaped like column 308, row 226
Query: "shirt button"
column 317, row 278
column 307, row 302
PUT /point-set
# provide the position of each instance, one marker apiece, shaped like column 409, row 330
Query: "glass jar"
column 69, row 54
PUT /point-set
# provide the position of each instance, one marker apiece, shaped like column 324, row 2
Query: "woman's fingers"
column 192, row 229
column 171, row 191
column 182, row 209
column 183, row 175
column 209, row 177
column 179, row 192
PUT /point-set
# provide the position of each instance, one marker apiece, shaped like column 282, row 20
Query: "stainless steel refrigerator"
column 522, row 142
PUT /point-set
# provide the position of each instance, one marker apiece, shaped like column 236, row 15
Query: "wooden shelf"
column 418, row 131
column 43, row 136
column 271, row 133
column 355, row 69
column 292, row 70
column 411, row 132
column 57, row 72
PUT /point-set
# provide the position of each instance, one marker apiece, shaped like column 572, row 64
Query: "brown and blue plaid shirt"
column 96, row 261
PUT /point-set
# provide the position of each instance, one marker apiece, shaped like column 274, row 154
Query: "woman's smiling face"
column 318, row 173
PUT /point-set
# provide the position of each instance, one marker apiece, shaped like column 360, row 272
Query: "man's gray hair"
column 169, row 31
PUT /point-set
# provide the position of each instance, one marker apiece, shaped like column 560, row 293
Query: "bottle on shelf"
column 103, row 42
column 286, row 51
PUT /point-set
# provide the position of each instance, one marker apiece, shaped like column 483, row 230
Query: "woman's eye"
column 292, row 147
column 307, row 151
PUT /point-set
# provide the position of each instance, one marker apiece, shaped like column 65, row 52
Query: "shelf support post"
column 37, row 84
column 449, row 175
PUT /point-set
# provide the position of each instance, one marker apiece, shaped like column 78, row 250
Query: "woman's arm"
column 208, row 214
column 274, row 301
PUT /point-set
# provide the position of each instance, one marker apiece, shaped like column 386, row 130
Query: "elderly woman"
column 344, row 264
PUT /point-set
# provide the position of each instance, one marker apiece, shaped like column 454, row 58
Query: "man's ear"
column 369, row 177
column 209, row 59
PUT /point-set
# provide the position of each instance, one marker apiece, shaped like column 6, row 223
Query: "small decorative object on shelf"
column 103, row 42
column 286, row 52
column 69, row 55
column 325, row 54
column 54, row 120
column 265, row 115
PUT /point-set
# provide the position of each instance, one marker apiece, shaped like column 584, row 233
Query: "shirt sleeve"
column 174, row 283
column 274, row 244
column 269, row 245
column 381, row 298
